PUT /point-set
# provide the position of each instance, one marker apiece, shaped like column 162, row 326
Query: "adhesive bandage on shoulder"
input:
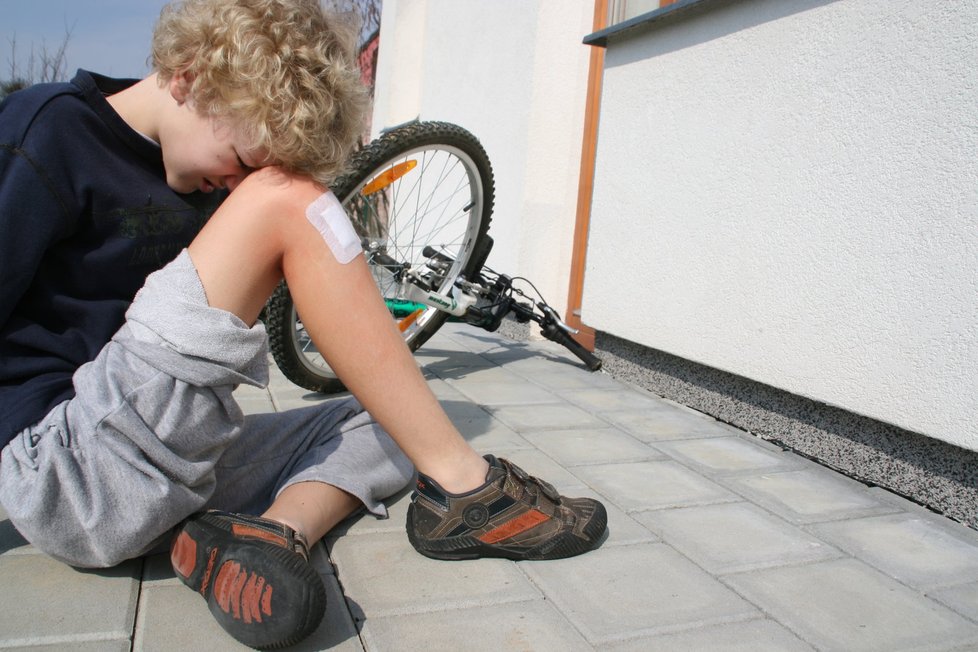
column 332, row 222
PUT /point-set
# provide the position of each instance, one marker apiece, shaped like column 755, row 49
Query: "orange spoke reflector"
column 405, row 323
column 388, row 177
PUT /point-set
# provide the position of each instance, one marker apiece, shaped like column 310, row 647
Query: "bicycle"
column 421, row 197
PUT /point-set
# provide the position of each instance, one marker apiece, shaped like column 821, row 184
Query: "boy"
column 119, row 426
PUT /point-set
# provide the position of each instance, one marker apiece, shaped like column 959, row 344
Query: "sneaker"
column 513, row 516
column 255, row 575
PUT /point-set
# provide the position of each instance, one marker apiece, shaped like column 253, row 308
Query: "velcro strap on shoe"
column 263, row 529
column 532, row 484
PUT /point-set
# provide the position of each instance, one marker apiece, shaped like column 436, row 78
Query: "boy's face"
column 203, row 153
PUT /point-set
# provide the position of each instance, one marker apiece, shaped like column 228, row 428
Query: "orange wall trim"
column 586, row 184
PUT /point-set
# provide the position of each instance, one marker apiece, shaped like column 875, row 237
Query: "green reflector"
column 401, row 309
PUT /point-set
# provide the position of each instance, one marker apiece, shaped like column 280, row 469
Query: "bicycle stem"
column 456, row 305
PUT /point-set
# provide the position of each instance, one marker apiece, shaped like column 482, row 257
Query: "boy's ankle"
column 461, row 478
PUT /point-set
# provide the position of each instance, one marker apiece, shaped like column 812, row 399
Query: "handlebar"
column 499, row 295
column 491, row 298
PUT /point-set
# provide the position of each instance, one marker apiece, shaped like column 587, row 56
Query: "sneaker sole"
column 277, row 608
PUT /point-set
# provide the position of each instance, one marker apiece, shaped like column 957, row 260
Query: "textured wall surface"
column 787, row 190
column 514, row 73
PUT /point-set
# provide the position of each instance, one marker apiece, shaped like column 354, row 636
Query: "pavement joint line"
column 357, row 624
column 37, row 641
column 570, row 621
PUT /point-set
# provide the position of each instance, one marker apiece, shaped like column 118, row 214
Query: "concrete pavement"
column 717, row 541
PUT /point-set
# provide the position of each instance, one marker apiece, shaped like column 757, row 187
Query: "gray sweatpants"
column 153, row 435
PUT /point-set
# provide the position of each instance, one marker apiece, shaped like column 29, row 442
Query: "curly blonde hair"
column 282, row 72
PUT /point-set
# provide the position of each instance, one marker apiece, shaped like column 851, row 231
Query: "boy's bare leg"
column 261, row 233
column 312, row 508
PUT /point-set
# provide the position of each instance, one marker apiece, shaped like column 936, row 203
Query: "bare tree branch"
column 44, row 66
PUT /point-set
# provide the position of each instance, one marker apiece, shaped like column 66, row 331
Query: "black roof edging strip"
column 601, row 37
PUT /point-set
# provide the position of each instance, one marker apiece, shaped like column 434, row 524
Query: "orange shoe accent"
column 242, row 597
column 223, row 584
column 257, row 533
column 511, row 528
column 184, row 555
column 252, row 602
column 266, row 601
column 208, row 571
column 237, row 586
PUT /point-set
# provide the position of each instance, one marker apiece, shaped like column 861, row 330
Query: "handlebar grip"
column 559, row 336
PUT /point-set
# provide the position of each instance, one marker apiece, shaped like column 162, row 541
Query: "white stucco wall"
column 514, row 73
column 788, row 190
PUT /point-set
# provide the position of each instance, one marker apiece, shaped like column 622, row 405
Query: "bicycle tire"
column 436, row 148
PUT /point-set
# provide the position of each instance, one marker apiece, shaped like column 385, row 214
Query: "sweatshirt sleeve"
column 32, row 219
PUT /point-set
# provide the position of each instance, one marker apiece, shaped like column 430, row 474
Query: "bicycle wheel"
column 425, row 184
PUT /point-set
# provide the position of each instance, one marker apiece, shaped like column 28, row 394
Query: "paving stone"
column 520, row 352
column 727, row 455
column 469, row 337
column 480, row 375
column 484, row 433
column 539, row 465
column 916, row 550
column 554, row 416
column 563, row 377
column 439, row 347
column 601, row 446
column 513, row 392
column 456, row 364
column 665, row 423
column 158, row 571
column 364, row 523
column 172, row 617
column 750, row 636
column 617, row 399
column 652, row 485
column 383, row 575
column 626, row 591
column 517, row 626
column 846, row 605
column 75, row 645
column 43, row 599
column 250, row 392
column 443, row 391
column 734, row 537
column 461, row 409
column 963, row 598
column 448, row 336
column 810, row 496
column 256, row 405
column 539, row 350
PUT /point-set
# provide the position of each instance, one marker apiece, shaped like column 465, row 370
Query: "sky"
column 107, row 36
column 110, row 37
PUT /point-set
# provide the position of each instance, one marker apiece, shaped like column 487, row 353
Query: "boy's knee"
column 277, row 187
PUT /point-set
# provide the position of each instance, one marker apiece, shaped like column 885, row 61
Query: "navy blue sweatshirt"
column 85, row 216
